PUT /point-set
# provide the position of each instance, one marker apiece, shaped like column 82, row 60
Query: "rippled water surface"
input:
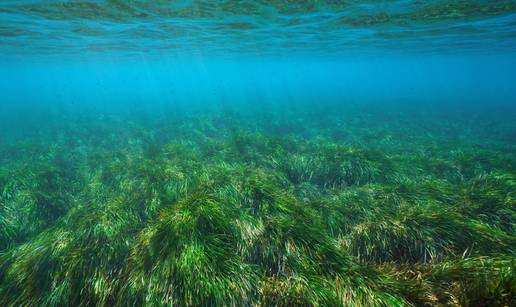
column 255, row 27
column 258, row 153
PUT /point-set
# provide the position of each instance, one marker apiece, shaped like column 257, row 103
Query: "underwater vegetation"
column 353, row 207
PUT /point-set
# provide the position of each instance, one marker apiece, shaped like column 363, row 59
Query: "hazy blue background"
column 356, row 79
column 58, row 55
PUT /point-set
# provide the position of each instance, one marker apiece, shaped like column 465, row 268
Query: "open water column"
column 257, row 153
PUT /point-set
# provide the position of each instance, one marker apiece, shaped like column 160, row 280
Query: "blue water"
column 255, row 27
column 61, row 57
column 208, row 52
column 257, row 153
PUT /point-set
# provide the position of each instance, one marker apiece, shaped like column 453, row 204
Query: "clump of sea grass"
column 188, row 257
column 476, row 281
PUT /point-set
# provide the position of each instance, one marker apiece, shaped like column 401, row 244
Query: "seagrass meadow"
column 361, row 206
column 256, row 153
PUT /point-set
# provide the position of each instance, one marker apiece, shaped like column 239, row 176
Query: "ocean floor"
column 305, row 206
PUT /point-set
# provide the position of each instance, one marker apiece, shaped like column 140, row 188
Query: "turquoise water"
column 255, row 27
column 86, row 52
column 257, row 153
column 191, row 51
